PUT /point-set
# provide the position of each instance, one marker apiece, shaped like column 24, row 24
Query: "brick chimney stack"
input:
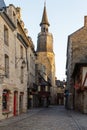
column 85, row 21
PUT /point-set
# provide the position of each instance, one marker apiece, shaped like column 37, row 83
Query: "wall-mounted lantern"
column 23, row 62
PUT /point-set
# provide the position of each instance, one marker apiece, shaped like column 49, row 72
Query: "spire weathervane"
column 45, row 3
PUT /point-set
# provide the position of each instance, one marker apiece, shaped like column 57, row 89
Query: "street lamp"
column 23, row 62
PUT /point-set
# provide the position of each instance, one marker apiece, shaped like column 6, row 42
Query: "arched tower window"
column 44, row 29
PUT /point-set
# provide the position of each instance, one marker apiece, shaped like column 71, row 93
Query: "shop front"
column 44, row 98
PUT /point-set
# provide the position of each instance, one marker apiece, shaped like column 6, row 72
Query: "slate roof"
column 2, row 4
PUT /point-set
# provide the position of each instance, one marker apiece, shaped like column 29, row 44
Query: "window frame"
column 6, row 36
column 6, row 66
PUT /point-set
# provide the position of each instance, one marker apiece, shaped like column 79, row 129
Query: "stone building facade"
column 45, row 54
column 60, row 92
column 15, row 49
column 76, row 52
column 43, row 86
column 31, row 55
column 80, row 85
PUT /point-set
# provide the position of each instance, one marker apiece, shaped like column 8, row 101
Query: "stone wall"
column 76, row 52
column 13, row 83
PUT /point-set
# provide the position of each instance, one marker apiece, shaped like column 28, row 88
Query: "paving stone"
column 52, row 118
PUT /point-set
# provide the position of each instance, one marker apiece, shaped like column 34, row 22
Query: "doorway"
column 15, row 112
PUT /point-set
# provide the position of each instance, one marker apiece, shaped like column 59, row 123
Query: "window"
column 5, row 35
column 22, row 74
column 6, row 66
column 21, row 52
column 14, row 17
column 42, row 88
column 5, row 100
column 47, row 30
column 44, row 29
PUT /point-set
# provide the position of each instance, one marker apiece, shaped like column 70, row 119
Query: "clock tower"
column 45, row 54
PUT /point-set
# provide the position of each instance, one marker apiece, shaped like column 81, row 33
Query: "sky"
column 64, row 16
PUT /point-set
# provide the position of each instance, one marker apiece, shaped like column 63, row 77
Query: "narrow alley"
column 52, row 118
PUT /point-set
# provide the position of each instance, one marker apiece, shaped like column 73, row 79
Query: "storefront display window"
column 5, row 100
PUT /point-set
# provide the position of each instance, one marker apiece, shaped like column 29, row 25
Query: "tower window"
column 44, row 29
column 47, row 30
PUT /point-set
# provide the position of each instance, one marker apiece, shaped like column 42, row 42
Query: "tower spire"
column 44, row 17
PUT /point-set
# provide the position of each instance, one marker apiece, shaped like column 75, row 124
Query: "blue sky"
column 64, row 17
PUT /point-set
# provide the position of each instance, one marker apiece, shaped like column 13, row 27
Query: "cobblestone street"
column 52, row 118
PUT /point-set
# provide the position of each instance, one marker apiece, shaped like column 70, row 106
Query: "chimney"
column 85, row 21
